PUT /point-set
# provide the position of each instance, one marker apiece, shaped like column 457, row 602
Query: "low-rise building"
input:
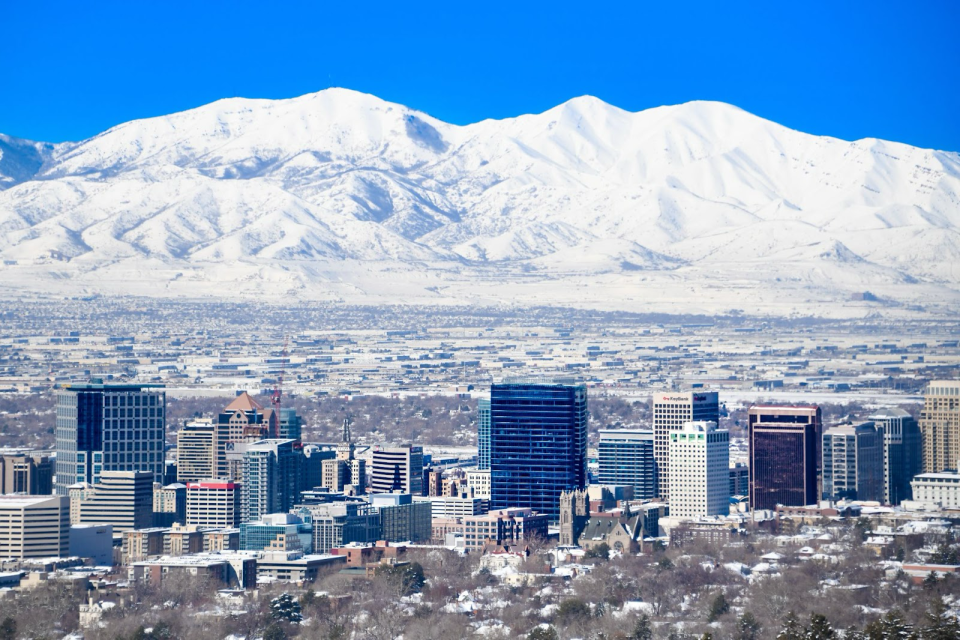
column 140, row 544
column 359, row 555
column 294, row 567
column 93, row 541
column 276, row 532
column 337, row 524
column 219, row 540
column 181, row 540
column 401, row 519
column 941, row 488
column 238, row 571
column 504, row 527
column 441, row 528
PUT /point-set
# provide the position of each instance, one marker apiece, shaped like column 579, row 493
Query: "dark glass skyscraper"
column 902, row 453
column 108, row 427
column 538, row 444
column 783, row 455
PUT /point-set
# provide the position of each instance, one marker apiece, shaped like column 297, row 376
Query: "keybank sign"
column 696, row 398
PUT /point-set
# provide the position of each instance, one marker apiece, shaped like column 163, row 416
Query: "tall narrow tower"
column 670, row 412
column 940, row 426
column 345, row 449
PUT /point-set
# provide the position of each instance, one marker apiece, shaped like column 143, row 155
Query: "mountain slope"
column 342, row 196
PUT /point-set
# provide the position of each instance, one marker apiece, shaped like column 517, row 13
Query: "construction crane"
column 278, row 388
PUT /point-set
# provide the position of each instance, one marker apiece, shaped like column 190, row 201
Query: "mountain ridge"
column 293, row 189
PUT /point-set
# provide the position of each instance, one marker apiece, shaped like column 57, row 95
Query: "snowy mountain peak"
column 341, row 195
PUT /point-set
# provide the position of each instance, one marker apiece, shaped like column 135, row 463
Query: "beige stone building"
column 940, row 426
column 34, row 526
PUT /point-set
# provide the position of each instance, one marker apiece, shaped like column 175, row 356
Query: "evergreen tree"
column 572, row 610
column 284, row 607
column 792, row 629
column 890, row 627
column 601, row 551
column 819, row 629
column 643, row 630
column 274, row 632
column 940, row 625
column 719, row 607
column 543, row 633
column 8, row 629
column 748, row 628
column 931, row 581
column 945, row 554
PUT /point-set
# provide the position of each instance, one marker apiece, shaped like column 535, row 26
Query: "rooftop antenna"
column 278, row 389
column 346, row 430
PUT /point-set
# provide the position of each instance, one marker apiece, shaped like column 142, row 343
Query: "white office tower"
column 671, row 410
column 699, row 470
column 397, row 469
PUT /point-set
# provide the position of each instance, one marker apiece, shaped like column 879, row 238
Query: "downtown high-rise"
column 853, row 462
column 700, row 467
column 784, row 444
column 940, row 426
column 538, row 444
column 397, row 469
column 902, row 452
column 625, row 457
column 671, row 410
column 108, row 427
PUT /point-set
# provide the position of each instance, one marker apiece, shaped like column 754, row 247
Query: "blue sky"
column 847, row 69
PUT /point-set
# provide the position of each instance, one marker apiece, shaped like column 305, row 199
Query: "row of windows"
column 149, row 434
column 133, row 413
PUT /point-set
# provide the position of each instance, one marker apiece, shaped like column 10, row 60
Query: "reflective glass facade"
column 853, row 462
column 103, row 427
column 783, row 455
column 902, row 453
column 291, row 425
column 271, row 478
column 538, row 444
column 483, row 433
column 626, row 458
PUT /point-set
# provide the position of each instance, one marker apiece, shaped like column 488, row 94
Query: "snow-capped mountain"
column 339, row 195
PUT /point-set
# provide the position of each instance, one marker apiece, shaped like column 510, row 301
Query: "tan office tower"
column 121, row 498
column 197, row 451
column 34, row 526
column 670, row 411
column 940, row 426
column 213, row 503
column 26, row 472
